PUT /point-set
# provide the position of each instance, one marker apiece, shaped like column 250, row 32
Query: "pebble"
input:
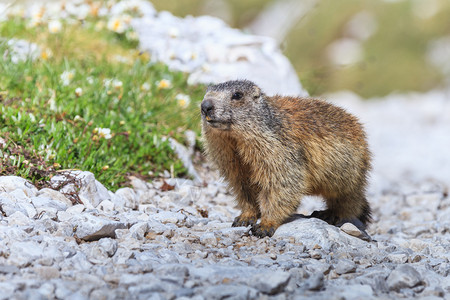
column 345, row 266
column 270, row 283
column 403, row 276
column 89, row 227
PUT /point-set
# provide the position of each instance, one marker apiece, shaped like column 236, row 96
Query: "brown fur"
column 274, row 150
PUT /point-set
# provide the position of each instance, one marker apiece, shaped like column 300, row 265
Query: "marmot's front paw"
column 240, row 221
column 262, row 231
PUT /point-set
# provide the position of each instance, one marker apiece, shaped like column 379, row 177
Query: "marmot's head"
column 230, row 104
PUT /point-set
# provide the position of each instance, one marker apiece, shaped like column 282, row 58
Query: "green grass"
column 48, row 127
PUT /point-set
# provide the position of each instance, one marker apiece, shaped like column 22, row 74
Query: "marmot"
column 273, row 150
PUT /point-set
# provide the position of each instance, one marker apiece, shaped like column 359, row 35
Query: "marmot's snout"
column 207, row 109
column 213, row 115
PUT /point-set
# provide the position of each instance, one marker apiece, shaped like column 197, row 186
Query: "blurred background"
column 371, row 47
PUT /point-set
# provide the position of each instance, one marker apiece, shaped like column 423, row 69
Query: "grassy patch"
column 90, row 102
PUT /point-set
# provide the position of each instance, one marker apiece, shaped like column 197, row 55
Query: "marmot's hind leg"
column 357, row 212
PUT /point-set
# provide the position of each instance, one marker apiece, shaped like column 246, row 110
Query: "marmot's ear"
column 256, row 92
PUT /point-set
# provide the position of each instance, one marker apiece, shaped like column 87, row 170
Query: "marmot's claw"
column 239, row 222
column 261, row 232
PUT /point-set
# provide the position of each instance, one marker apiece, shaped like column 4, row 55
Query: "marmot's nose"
column 207, row 107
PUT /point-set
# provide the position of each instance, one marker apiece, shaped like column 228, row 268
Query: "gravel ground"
column 150, row 242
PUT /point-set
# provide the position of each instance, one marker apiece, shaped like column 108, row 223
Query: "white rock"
column 404, row 276
column 47, row 202
column 147, row 197
column 270, row 282
column 76, row 209
column 345, row 266
column 126, row 197
column 54, row 195
column 355, row 291
column 147, row 208
column 351, row 229
column 138, row 230
column 13, row 233
column 47, row 290
column 24, row 253
column 428, row 201
column 89, row 227
column 106, row 206
column 184, row 155
column 18, row 218
column 91, row 192
column 139, row 184
column 212, row 52
column 8, row 290
column 169, row 217
column 158, row 227
column 418, row 245
column 398, row 257
column 208, row 239
column 47, row 213
column 10, row 204
column 234, row 232
column 11, row 183
column 228, row 291
column 313, row 232
column 103, row 248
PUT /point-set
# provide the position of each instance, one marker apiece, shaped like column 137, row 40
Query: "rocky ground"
column 155, row 242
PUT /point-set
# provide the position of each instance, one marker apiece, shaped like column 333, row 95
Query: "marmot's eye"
column 237, row 96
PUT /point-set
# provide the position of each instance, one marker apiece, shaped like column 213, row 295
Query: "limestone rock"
column 270, row 282
column 83, row 183
column 313, row 232
column 404, row 276
column 90, row 228
column 11, row 183
column 212, row 52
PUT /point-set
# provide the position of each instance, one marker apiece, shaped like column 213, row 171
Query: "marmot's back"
column 334, row 143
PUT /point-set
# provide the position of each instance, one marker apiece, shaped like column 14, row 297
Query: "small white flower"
column 103, row 133
column 164, row 84
column 206, row 68
column 122, row 59
column 90, row 79
column 173, row 32
column 132, row 36
column 46, row 54
column 33, row 23
column 117, row 84
column 117, row 24
column 107, row 82
column 183, row 100
column 67, row 76
column 145, row 87
column 99, row 25
column 78, row 92
column 77, row 118
column 37, row 12
column 54, row 26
